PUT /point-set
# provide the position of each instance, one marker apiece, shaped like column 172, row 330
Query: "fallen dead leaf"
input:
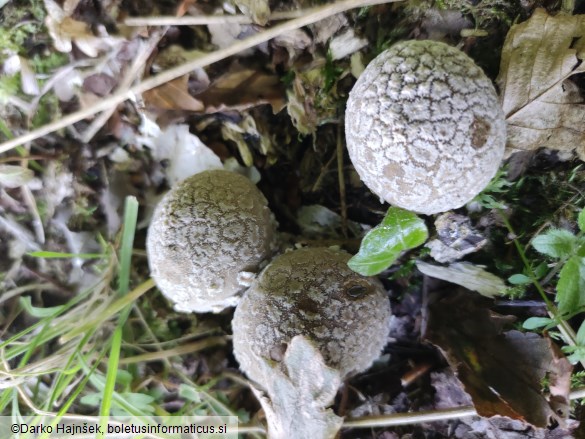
column 240, row 89
column 502, row 371
column 173, row 95
column 543, row 106
column 258, row 10
column 99, row 84
column 65, row 30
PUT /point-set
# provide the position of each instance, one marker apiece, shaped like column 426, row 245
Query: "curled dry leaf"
column 296, row 392
column 173, row 95
column 240, row 89
column 502, row 371
column 543, row 106
column 236, row 90
column 258, row 10
column 64, row 30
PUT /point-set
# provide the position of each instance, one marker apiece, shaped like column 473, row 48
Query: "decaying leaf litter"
column 62, row 198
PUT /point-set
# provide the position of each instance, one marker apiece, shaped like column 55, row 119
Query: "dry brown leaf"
column 502, row 371
column 542, row 104
column 258, row 10
column 242, row 89
column 174, row 95
column 64, row 30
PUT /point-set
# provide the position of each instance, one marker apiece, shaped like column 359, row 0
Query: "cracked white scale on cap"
column 424, row 128
column 208, row 235
column 313, row 293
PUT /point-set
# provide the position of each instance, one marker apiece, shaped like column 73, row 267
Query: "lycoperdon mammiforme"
column 424, row 127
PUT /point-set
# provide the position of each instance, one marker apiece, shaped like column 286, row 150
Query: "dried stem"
column 341, row 179
column 199, row 20
column 409, row 418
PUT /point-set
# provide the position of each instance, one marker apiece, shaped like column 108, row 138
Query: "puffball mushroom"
column 424, row 128
column 207, row 236
column 313, row 293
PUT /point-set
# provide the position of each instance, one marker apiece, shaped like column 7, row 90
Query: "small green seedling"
column 400, row 230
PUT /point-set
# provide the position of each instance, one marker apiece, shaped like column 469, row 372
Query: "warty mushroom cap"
column 312, row 292
column 424, row 128
column 207, row 235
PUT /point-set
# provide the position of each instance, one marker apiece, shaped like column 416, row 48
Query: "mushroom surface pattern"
column 207, row 235
column 424, row 128
column 312, row 292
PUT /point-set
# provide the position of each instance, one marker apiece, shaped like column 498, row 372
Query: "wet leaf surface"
column 399, row 230
column 502, row 371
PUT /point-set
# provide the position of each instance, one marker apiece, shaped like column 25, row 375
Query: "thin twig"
column 200, row 20
column 395, row 419
column 409, row 418
column 183, row 69
column 341, row 179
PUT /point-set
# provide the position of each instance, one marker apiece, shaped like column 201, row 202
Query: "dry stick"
column 341, row 178
column 193, row 20
column 409, row 418
column 426, row 416
column 183, row 69
column 135, row 69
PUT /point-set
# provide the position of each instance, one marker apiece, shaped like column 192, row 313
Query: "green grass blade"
column 130, row 216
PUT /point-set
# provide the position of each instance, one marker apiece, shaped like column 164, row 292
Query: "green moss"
column 9, row 86
column 47, row 110
column 46, row 64
column 22, row 23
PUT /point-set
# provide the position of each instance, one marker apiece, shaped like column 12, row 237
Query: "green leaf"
column 577, row 353
column 519, row 279
column 139, row 400
column 581, row 335
column 400, row 230
column 581, row 220
column 557, row 243
column 540, row 270
column 189, row 393
column 571, row 285
column 536, row 322
column 92, row 399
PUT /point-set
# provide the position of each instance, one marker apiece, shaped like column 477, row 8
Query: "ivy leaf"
column 571, row 284
column 557, row 243
column 400, row 230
